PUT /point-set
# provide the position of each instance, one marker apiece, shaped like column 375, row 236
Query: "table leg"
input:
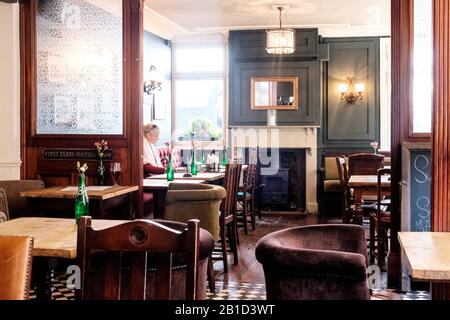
column 44, row 269
column 159, row 202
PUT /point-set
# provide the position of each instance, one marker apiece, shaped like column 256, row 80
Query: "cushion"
column 331, row 169
column 332, row 185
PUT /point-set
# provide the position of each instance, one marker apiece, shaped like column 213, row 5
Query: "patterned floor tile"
column 224, row 291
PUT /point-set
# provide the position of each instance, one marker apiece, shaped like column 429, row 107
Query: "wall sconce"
column 154, row 81
column 351, row 93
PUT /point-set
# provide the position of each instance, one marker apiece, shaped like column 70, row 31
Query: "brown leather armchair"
column 315, row 263
column 17, row 205
column 15, row 267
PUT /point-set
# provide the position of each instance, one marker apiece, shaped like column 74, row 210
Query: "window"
column 199, row 81
column 422, row 67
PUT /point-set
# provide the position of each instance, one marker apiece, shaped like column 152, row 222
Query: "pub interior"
column 224, row 150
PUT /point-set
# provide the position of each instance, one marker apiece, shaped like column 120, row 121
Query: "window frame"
column 410, row 134
column 28, row 12
column 200, row 75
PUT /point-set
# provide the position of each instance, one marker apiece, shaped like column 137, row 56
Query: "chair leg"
column 223, row 238
column 372, row 241
column 212, row 284
column 234, row 241
column 379, row 248
column 252, row 212
column 244, row 215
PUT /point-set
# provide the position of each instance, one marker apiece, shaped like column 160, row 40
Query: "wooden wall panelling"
column 308, row 75
column 352, row 125
column 440, row 215
column 251, row 44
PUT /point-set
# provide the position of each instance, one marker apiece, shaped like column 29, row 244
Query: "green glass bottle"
column 193, row 164
column 170, row 171
column 82, row 200
column 224, row 157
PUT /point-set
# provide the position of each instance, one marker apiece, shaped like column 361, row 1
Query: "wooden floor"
column 249, row 270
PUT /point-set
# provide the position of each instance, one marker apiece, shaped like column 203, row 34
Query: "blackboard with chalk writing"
column 420, row 190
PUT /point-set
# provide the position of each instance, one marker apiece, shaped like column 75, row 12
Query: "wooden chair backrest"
column 136, row 238
column 364, row 164
column 231, row 185
column 343, row 179
column 250, row 177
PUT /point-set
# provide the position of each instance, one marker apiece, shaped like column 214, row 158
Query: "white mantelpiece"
column 277, row 137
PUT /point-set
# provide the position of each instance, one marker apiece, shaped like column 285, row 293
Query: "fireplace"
column 284, row 178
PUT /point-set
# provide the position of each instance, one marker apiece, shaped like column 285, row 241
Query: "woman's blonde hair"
column 149, row 127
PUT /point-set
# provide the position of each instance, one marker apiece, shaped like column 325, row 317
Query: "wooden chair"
column 246, row 198
column 363, row 164
column 349, row 212
column 380, row 224
column 15, row 267
column 228, row 224
column 127, row 244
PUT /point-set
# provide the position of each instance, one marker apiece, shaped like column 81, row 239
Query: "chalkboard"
column 420, row 190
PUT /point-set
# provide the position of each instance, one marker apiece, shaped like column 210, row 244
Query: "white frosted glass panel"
column 423, row 66
column 79, row 67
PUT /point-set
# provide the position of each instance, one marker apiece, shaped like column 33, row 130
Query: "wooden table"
column 53, row 238
column 159, row 189
column 427, row 254
column 367, row 185
column 112, row 202
column 205, row 176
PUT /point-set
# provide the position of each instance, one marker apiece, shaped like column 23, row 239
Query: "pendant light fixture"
column 281, row 40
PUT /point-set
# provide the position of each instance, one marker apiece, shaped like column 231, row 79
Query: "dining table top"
column 53, row 237
column 205, row 176
column 427, row 255
column 70, row 192
column 356, row 181
column 164, row 184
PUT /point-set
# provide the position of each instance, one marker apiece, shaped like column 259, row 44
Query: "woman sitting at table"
column 152, row 161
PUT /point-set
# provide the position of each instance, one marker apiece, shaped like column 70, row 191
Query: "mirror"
column 274, row 93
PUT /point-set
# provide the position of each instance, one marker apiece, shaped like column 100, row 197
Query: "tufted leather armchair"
column 15, row 267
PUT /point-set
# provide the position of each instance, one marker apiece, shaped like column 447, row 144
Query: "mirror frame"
column 293, row 80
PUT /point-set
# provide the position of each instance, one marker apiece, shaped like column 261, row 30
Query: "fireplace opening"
column 285, row 184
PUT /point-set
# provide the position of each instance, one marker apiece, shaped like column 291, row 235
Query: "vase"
column 101, row 173
column 82, row 200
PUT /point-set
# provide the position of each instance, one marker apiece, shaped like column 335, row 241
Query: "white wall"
column 9, row 92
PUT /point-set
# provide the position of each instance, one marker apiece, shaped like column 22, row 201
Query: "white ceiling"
column 170, row 18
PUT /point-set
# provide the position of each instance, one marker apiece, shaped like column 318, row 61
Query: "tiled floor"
column 224, row 291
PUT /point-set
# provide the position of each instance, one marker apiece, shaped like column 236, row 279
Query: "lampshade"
column 281, row 40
